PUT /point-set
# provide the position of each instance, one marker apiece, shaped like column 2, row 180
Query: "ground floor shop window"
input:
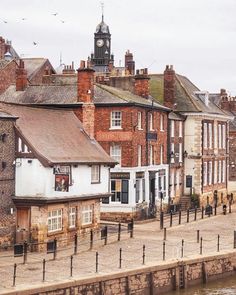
column 55, row 220
column 87, row 214
column 120, row 191
column 72, row 217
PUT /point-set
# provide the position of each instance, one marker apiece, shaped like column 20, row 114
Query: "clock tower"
column 102, row 59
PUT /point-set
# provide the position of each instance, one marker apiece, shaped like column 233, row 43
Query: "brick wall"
column 232, row 156
column 7, row 182
column 7, row 76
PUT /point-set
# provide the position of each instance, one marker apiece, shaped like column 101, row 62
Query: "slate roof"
column 33, row 65
column 56, row 136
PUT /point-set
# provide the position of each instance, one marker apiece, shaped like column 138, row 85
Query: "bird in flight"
column 55, row 14
column 34, row 43
column 63, row 21
column 23, row 18
column 5, row 21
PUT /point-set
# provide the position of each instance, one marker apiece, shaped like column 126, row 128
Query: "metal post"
column 161, row 220
column 202, row 212
column 96, row 261
column 198, row 235
column 71, row 265
column 14, row 275
column 171, row 218
column 235, row 239
column 201, row 245
column 55, row 249
column 164, row 251
column 144, row 248
column 106, row 230
column 44, row 267
column 230, row 207
column 179, row 216
column 119, row 231
column 132, row 228
column 75, row 244
column 91, row 239
column 215, row 209
column 25, row 246
column 182, row 249
column 164, row 238
column 187, row 215
column 218, row 243
column 120, row 258
column 195, row 214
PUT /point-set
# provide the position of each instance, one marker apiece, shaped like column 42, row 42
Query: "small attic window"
column 203, row 96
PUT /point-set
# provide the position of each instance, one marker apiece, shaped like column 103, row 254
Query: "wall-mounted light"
column 185, row 154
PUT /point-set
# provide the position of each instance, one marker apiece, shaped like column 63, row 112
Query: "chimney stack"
column 141, row 84
column 169, row 86
column 21, row 77
column 85, row 94
column 129, row 63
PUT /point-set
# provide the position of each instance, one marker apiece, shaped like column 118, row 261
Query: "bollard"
column 187, row 215
column 120, row 258
column 202, row 212
column 235, row 239
column 201, row 246
column 164, row 251
column 71, row 265
column 218, row 243
column 25, row 246
column 164, row 238
column 179, row 216
column 144, row 248
column 55, row 249
column 132, row 228
column 119, row 231
column 75, row 244
column 195, row 214
column 230, row 207
column 161, row 220
column 215, row 209
column 171, row 218
column 91, row 239
column 106, row 231
column 14, row 275
column 96, row 262
column 44, row 271
column 182, row 249
column 198, row 235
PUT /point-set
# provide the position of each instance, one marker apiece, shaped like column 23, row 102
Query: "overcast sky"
column 197, row 36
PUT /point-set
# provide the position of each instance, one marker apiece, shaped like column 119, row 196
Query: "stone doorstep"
column 165, row 265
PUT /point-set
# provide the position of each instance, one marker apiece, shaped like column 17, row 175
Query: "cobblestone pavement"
column 148, row 234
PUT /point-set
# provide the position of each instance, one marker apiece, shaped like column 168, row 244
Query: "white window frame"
column 172, row 128
column 223, row 136
column 140, row 121
column 223, row 170
column 210, row 172
column 161, row 122
column 87, row 214
column 205, row 135
column 116, row 120
column 177, row 178
column 172, row 150
column 172, row 191
column 151, row 122
column 215, row 137
column 204, row 173
column 151, row 153
column 72, row 217
column 180, row 152
column 95, row 173
column 180, row 129
column 215, row 172
column 161, row 154
column 115, row 153
column 139, row 155
column 219, row 136
column 210, row 135
column 54, row 221
column 219, row 171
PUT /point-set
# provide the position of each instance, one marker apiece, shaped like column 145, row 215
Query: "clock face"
column 107, row 43
column 100, row 42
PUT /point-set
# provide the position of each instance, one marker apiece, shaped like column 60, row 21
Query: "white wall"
column 34, row 179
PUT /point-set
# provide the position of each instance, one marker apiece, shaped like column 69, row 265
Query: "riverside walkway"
column 146, row 247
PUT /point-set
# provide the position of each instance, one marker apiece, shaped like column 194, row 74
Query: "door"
column 23, row 224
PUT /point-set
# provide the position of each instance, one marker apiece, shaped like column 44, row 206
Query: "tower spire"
column 102, row 7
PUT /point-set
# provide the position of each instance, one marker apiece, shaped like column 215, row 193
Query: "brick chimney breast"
column 21, row 77
column 85, row 83
column 169, row 86
column 141, row 84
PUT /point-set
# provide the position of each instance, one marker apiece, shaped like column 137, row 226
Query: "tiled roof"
column 56, row 136
column 33, row 65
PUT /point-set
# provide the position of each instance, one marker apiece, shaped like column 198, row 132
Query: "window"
column 55, row 220
column 205, row 137
column 162, row 154
column 210, row 135
column 72, row 217
column 151, row 122
column 210, row 173
column 215, row 136
column 219, row 136
column 161, row 122
column 172, row 153
column 95, row 174
column 139, row 121
column 151, row 155
column 180, row 152
column 120, row 190
column 116, row 120
column 139, row 155
column 172, row 180
column 215, row 172
column 219, row 171
column 223, row 170
column 205, row 173
column 115, row 153
column 19, row 145
column 87, row 214
column 138, row 190
column 223, row 136
column 172, row 128
column 177, row 178
column 180, row 129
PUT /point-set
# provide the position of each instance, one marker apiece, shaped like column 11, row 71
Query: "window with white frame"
column 204, row 173
column 139, row 155
column 210, row 135
column 151, row 155
column 210, row 173
column 54, row 220
column 180, row 129
column 162, row 154
column 116, row 118
column 215, row 137
column 180, row 152
column 219, row 171
column 172, row 191
column 87, row 214
column 223, row 170
column 139, row 120
column 161, row 122
column 95, row 174
column 72, row 217
column 177, row 178
column 172, row 128
column 205, row 135
column 215, row 172
column 115, row 153
column 219, row 136
column 223, row 136
column 151, row 122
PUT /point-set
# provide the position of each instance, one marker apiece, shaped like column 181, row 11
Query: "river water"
column 225, row 286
